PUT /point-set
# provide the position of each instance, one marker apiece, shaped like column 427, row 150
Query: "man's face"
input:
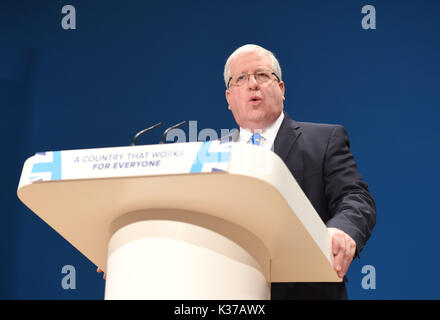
column 254, row 106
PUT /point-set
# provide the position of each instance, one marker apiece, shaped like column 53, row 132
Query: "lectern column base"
column 169, row 259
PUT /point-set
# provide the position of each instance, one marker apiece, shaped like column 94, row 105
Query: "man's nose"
column 252, row 82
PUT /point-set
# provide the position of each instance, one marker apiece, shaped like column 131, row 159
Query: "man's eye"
column 240, row 78
column 263, row 75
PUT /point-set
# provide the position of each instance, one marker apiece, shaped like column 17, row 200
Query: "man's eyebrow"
column 256, row 70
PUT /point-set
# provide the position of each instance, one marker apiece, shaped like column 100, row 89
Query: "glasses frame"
column 249, row 76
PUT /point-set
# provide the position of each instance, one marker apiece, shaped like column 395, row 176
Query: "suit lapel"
column 286, row 137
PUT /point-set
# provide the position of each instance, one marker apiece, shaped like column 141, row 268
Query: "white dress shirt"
column 268, row 135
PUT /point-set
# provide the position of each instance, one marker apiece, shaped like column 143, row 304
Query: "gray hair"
column 248, row 48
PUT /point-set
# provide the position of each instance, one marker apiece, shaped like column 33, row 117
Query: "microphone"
column 144, row 131
column 171, row 128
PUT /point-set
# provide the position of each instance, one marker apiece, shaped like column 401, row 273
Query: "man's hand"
column 343, row 249
column 99, row 271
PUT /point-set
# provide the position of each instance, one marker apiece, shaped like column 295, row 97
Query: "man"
column 317, row 155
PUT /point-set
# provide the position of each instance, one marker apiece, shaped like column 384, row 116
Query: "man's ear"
column 227, row 93
column 283, row 89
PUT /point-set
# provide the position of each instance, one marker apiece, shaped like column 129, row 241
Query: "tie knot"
column 255, row 139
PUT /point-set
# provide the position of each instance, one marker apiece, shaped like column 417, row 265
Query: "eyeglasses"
column 259, row 76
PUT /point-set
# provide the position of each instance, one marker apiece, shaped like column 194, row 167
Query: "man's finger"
column 99, row 271
column 338, row 252
column 336, row 245
column 346, row 256
column 339, row 265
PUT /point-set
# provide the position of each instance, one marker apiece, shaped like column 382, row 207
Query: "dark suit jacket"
column 319, row 157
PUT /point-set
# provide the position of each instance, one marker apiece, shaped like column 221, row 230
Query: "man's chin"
column 255, row 124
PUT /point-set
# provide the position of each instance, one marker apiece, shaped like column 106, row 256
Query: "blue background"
column 130, row 64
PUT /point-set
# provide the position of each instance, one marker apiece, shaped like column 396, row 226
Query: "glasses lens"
column 239, row 79
column 262, row 76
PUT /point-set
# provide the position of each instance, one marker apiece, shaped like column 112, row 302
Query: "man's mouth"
column 255, row 98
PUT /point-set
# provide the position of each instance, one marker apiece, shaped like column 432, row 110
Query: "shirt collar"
column 268, row 133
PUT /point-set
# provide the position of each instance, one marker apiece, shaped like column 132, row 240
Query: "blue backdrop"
column 130, row 64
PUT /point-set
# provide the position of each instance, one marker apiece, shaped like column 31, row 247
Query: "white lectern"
column 183, row 221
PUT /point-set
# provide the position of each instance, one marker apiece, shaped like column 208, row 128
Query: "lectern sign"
column 175, row 158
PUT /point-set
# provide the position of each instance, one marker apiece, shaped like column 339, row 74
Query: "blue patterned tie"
column 255, row 139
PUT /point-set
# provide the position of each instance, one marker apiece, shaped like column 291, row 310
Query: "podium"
column 187, row 221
